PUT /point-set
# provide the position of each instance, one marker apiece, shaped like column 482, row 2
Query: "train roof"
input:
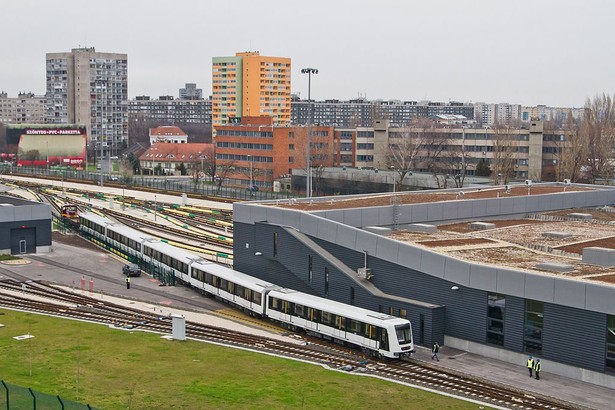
column 237, row 277
column 338, row 308
column 117, row 227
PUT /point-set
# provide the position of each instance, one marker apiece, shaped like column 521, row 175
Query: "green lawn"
column 120, row 369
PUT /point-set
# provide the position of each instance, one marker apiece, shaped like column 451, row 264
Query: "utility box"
column 179, row 327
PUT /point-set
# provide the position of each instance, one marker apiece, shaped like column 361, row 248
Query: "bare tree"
column 402, row 151
column 505, row 146
column 571, row 151
column 599, row 131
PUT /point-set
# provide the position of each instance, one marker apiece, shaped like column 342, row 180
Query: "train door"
column 383, row 339
column 312, row 315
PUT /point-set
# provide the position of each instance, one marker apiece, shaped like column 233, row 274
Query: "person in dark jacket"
column 434, row 350
column 537, row 368
column 127, row 282
column 530, row 364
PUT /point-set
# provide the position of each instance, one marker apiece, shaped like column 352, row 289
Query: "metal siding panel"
column 457, row 271
column 291, row 218
column 483, row 277
column 366, row 241
column 435, row 212
column 519, row 205
column 335, row 215
column 574, row 336
column 450, row 210
column 465, row 210
column 506, row 205
column 326, row 229
column 478, row 208
column 387, row 249
column 514, row 320
column 432, row 263
column 41, row 212
column 539, row 287
column 346, row 236
column 409, row 256
column 569, row 293
column 7, row 214
column 385, row 215
column 242, row 213
column 23, row 213
column 492, row 207
column 419, row 213
column 511, row 282
column 309, row 224
column 466, row 314
column 353, row 218
column 600, row 298
column 369, row 216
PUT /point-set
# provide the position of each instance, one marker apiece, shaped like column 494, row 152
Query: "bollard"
column 91, row 286
column 83, row 283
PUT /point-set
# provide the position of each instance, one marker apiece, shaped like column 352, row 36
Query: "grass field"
column 118, row 369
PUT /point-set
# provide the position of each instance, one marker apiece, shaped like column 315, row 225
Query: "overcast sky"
column 553, row 52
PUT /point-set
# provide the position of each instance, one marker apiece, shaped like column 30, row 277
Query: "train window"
column 299, row 311
column 325, row 318
column 404, row 335
column 256, row 297
column 274, row 304
column 383, row 338
column 275, row 244
column 355, row 326
column 403, row 313
column 230, row 288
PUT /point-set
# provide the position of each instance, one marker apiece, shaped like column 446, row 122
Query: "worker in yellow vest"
column 530, row 364
column 537, row 368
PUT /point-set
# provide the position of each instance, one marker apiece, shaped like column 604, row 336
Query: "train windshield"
column 404, row 334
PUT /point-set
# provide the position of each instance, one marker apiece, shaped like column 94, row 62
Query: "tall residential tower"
column 250, row 85
column 90, row 88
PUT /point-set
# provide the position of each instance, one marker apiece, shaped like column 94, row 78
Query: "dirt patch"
column 73, row 240
column 464, row 226
column 417, row 197
column 597, row 214
column 578, row 247
column 604, row 278
column 455, row 242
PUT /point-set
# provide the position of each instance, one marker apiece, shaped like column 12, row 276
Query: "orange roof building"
column 167, row 133
column 170, row 156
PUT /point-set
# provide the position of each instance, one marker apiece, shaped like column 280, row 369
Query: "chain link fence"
column 158, row 184
column 15, row 397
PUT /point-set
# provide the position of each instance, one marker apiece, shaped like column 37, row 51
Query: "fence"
column 15, row 397
column 155, row 183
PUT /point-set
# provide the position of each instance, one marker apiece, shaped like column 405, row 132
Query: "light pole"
column 308, row 176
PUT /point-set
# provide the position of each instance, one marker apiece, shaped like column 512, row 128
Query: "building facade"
column 257, row 152
column 25, row 226
column 168, row 158
column 362, row 113
column 190, row 92
column 26, row 108
column 251, row 85
column 320, row 247
column 170, row 110
column 90, row 88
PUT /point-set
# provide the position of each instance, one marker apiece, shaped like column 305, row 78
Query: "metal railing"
column 159, row 184
column 22, row 398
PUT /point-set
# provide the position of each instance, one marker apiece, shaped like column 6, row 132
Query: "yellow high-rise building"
column 250, row 85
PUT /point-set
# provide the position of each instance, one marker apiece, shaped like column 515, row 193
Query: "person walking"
column 434, row 350
column 127, row 282
column 530, row 364
column 537, row 368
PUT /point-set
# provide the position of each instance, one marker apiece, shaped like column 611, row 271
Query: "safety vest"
column 530, row 363
column 537, row 366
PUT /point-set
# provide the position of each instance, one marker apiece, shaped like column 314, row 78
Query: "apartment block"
column 190, row 92
column 26, row 108
column 169, row 110
column 251, row 85
column 90, row 88
column 362, row 113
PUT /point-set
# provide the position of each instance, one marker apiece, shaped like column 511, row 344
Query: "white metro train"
column 379, row 334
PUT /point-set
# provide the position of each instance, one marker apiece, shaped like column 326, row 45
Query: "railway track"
column 39, row 297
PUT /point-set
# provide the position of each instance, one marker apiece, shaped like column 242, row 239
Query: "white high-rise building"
column 90, row 88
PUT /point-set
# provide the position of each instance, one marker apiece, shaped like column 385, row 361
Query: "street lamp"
column 308, row 176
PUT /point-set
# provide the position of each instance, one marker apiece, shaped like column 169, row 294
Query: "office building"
column 250, row 85
column 190, row 92
column 171, row 111
column 90, row 88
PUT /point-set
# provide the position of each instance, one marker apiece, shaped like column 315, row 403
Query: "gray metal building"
column 496, row 311
column 25, row 226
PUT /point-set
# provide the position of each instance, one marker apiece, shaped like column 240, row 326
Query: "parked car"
column 131, row 269
column 252, row 188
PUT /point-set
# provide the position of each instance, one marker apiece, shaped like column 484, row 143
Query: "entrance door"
column 22, row 246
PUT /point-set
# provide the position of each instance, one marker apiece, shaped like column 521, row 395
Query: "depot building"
column 499, row 271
